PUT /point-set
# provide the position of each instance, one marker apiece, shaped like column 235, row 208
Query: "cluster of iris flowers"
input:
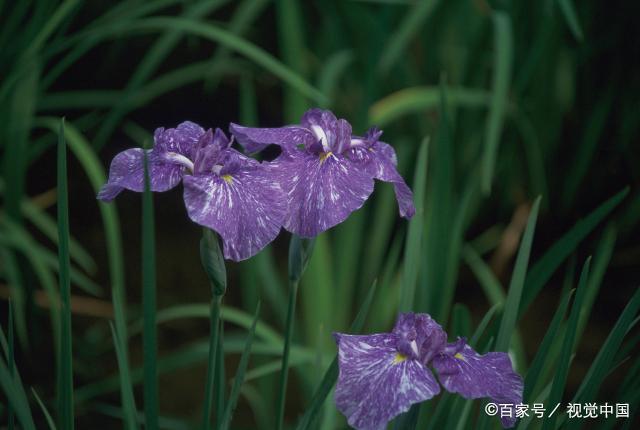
column 322, row 175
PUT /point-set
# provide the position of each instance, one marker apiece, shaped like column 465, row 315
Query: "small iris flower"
column 325, row 172
column 223, row 190
column 382, row 375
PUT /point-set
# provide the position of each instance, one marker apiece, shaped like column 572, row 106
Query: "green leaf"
column 421, row 99
column 14, row 390
column 413, row 246
column 331, row 375
column 251, row 51
column 45, row 411
column 542, row 355
column 562, row 370
column 412, row 23
column 128, row 400
column 502, row 65
column 65, row 359
column 512, row 303
column 149, row 337
column 239, row 378
column 570, row 15
column 559, row 251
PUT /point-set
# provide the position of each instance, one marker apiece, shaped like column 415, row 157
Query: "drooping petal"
column 419, row 336
column 333, row 134
column 256, row 139
column 462, row 370
column 127, row 172
column 376, row 383
column 322, row 190
column 182, row 139
column 246, row 208
column 380, row 161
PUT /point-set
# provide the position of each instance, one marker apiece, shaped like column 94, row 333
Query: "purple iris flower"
column 326, row 172
column 382, row 375
column 223, row 190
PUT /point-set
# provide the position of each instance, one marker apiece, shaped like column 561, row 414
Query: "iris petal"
column 375, row 383
column 256, row 139
column 462, row 370
column 321, row 190
column 245, row 208
column 127, row 172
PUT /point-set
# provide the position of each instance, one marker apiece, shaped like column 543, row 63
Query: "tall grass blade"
column 251, row 51
column 240, row 373
column 413, row 246
column 291, row 36
column 14, row 390
column 512, row 303
column 149, row 337
column 331, row 375
column 11, row 419
column 411, row 24
column 128, row 401
column 50, row 422
column 542, row 356
column 560, row 375
column 65, row 372
column 569, row 13
column 503, row 59
column 559, row 251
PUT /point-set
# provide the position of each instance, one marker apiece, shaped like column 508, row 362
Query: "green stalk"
column 149, row 337
column 213, row 263
column 214, row 321
column 65, row 375
column 284, row 372
column 300, row 251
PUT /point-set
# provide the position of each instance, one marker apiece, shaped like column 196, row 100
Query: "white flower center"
column 321, row 136
column 174, row 157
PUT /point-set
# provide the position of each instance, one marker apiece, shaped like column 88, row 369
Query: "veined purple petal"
column 334, row 135
column 462, row 370
column 246, row 208
column 127, row 172
column 380, row 161
column 419, row 336
column 376, row 383
column 321, row 190
column 256, row 139
column 182, row 139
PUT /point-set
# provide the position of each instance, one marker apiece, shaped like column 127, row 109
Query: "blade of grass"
column 65, row 371
column 149, row 336
column 399, row 40
column 240, row 373
column 485, row 276
column 128, row 400
column 569, row 13
column 14, row 390
column 502, row 65
column 331, row 375
column 291, row 41
column 11, row 419
column 18, row 292
column 542, row 270
column 542, row 355
column 420, row 99
column 560, row 375
column 251, row 51
column 414, row 245
column 50, row 422
column 512, row 303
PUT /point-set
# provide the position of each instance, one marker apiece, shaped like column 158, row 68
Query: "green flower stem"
column 284, row 372
column 214, row 320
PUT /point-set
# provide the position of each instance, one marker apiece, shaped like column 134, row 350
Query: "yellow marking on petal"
column 227, row 178
column 399, row 358
column 324, row 156
column 459, row 356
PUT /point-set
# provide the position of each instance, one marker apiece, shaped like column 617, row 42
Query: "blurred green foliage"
column 489, row 104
